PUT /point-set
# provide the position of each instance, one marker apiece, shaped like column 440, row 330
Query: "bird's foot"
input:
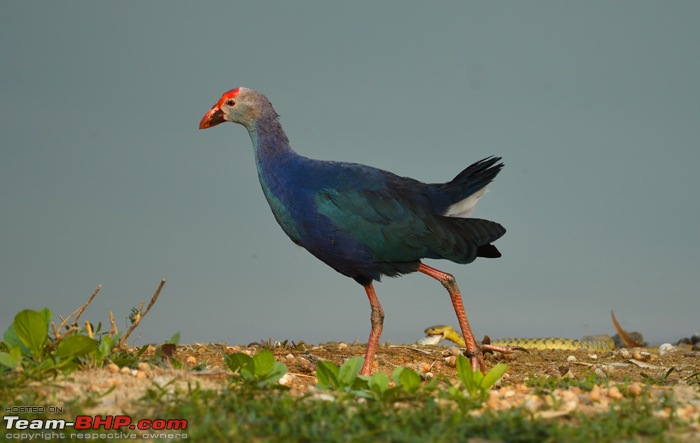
column 476, row 357
column 487, row 346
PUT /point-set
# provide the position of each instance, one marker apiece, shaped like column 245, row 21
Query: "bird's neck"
column 275, row 162
column 269, row 138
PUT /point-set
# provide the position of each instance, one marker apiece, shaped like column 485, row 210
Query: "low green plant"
column 31, row 349
column 260, row 370
column 344, row 379
column 285, row 344
column 407, row 384
column 545, row 384
column 476, row 383
column 660, row 377
column 33, row 352
column 694, row 380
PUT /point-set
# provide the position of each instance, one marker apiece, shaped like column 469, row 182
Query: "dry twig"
column 140, row 315
column 75, row 316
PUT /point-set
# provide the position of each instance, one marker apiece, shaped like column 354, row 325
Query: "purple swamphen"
column 365, row 222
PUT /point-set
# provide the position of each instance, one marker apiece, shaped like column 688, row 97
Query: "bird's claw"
column 487, row 346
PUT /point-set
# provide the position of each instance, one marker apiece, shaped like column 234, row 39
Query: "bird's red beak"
column 212, row 118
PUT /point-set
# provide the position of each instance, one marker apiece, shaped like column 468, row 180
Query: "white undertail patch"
column 464, row 208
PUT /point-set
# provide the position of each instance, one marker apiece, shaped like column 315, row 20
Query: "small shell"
column 571, row 358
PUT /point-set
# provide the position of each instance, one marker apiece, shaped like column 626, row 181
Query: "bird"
column 366, row 222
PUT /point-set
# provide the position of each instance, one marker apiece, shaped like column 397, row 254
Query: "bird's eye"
column 230, row 102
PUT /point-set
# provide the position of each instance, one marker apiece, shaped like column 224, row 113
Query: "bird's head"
column 241, row 105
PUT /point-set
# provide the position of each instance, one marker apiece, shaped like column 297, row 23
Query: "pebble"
column 113, row 368
column 635, row 389
column 614, row 393
column 571, row 358
column 493, row 402
column 666, row 348
column 593, row 356
column 342, row 346
column 423, row 368
column 608, row 369
column 624, row 353
column 286, row 379
column 289, row 357
column 532, row 403
column 454, row 350
column 191, row 361
column 125, row 371
column 451, row 361
column 145, row 368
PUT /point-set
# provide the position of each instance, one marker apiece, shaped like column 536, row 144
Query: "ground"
column 625, row 373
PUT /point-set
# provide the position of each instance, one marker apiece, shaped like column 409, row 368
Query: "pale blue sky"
column 104, row 177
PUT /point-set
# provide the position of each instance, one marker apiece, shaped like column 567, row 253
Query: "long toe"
column 502, row 349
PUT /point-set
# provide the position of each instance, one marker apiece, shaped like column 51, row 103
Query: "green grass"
column 245, row 413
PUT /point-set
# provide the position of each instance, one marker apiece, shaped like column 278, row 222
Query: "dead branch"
column 140, row 315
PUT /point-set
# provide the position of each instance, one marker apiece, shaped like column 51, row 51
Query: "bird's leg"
column 448, row 281
column 377, row 324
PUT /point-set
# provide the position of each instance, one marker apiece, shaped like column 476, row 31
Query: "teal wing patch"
column 394, row 229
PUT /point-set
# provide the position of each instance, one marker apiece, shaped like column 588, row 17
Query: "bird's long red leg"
column 473, row 347
column 448, row 281
column 377, row 324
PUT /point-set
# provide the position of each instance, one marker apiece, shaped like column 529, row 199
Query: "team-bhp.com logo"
column 124, row 425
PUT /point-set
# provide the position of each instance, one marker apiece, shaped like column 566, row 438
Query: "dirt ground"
column 622, row 368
